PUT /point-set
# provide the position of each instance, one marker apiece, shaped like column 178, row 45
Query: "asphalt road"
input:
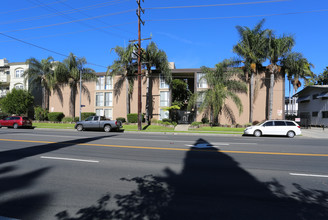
column 49, row 174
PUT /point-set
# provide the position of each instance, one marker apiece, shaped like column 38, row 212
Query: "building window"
column 99, row 99
column 19, row 86
column 100, row 112
column 19, row 73
column 200, row 99
column 325, row 114
column 108, row 99
column 100, row 83
column 162, row 83
column 108, row 83
column 201, row 81
column 108, row 113
column 314, row 114
column 163, row 114
column 164, row 98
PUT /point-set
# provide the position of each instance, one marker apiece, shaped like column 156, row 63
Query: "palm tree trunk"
column 251, row 98
column 72, row 101
column 271, row 95
column 127, row 97
column 43, row 97
column 47, row 99
column 147, row 99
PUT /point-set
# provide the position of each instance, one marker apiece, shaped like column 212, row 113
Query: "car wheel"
column 15, row 126
column 290, row 134
column 79, row 128
column 107, row 128
column 257, row 133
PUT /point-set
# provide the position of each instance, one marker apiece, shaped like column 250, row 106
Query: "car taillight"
column 115, row 122
column 299, row 126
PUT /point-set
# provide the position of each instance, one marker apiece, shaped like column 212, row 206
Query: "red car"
column 15, row 122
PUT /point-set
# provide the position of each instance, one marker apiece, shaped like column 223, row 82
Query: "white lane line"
column 310, row 175
column 70, row 159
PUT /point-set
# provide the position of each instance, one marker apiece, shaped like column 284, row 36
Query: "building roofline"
column 309, row 88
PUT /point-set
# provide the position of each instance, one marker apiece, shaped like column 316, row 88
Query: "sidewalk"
column 315, row 132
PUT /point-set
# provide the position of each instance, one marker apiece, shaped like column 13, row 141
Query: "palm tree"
column 42, row 73
column 277, row 48
column 124, row 67
column 68, row 73
column 152, row 57
column 296, row 67
column 221, row 86
column 252, row 49
column 323, row 78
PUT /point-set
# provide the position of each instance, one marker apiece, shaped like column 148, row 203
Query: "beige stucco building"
column 104, row 101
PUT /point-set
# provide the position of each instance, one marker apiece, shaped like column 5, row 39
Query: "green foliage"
column 121, row 119
column 196, row 123
column 85, row 115
column 322, row 78
column 205, row 120
column 133, row 118
column 55, row 116
column 40, row 113
column 180, row 92
column 17, row 102
column 70, row 119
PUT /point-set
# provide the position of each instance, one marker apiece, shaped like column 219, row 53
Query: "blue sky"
column 191, row 36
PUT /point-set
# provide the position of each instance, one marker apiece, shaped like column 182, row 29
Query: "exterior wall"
column 313, row 107
column 15, row 81
column 119, row 100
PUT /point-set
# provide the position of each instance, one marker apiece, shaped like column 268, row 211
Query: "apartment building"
column 104, row 100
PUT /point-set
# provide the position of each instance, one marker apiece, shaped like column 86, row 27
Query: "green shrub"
column 77, row 119
column 40, row 114
column 68, row 119
column 133, row 118
column 121, row 119
column 196, row 123
column 55, row 116
column 85, row 115
column 167, row 120
column 205, row 120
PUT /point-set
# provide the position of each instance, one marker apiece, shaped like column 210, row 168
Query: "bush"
column 85, row 115
column 205, row 120
column 55, row 116
column 68, row 119
column 196, row 123
column 121, row 119
column 167, row 120
column 133, row 118
column 40, row 114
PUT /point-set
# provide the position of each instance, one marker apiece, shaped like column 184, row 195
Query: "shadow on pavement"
column 211, row 185
column 15, row 201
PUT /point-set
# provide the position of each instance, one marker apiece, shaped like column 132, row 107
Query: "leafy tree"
column 153, row 58
column 277, row 47
column 68, row 73
column 221, row 86
column 124, row 67
column 180, row 92
column 42, row 73
column 252, row 48
column 17, row 102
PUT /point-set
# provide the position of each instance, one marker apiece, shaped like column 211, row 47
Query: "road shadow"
column 15, row 199
column 211, row 185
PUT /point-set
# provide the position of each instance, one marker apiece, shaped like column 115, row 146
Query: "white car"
column 274, row 127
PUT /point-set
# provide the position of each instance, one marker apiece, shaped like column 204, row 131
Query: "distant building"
column 313, row 105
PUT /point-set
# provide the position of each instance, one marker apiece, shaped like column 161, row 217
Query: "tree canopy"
column 17, row 102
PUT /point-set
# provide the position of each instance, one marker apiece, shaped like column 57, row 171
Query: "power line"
column 43, row 48
column 217, row 5
column 246, row 16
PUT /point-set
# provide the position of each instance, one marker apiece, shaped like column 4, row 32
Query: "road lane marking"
column 171, row 149
column 70, row 159
column 309, row 175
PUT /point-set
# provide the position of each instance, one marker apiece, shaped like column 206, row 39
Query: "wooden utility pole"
column 139, row 10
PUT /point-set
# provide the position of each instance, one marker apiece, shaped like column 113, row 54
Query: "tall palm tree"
column 68, row 73
column 252, row 49
column 152, row 57
column 277, row 48
column 221, row 86
column 125, row 67
column 296, row 67
column 42, row 73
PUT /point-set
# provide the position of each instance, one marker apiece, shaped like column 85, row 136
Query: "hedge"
column 121, row 119
column 133, row 118
column 85, row 115
column 55, row 116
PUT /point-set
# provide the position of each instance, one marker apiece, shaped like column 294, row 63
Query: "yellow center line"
column 172, row 149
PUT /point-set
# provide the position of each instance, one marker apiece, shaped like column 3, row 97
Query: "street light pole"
column 139, row 10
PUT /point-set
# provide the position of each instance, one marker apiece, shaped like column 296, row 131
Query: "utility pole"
column 139, row 10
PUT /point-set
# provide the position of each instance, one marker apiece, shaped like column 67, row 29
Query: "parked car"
column 98, row 123
column 274, row 127
column 15, row 122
